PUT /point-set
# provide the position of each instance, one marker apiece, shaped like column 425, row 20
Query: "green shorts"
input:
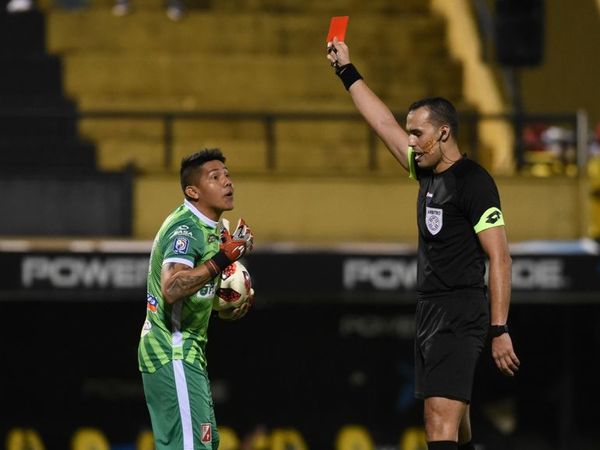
column 181, row 408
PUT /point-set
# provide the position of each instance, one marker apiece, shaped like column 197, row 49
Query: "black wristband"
column 348, row 74
column 498, row 330
column 220, row 260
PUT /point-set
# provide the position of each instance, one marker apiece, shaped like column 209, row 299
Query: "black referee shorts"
column 451, row 332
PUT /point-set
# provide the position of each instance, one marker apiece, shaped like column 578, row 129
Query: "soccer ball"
column 235, row 289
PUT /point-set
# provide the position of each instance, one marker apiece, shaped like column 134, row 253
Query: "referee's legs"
column 464, row 431
column 443, row 417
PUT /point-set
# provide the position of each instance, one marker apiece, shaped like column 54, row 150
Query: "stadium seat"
column 354, row 437
column 228, row 439
column 24, row 439
column 413, row 438
column 287, row 439
column 89, row 439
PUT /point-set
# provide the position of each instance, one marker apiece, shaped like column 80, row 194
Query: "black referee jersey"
column 452, row 207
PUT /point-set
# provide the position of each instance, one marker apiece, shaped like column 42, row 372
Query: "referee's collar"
column 211, row 223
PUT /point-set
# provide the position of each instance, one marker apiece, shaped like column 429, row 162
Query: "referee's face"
column 424, row 138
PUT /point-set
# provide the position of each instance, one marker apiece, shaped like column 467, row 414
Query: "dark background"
column 313, row 366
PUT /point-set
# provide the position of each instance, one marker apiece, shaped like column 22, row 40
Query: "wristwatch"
column 498, row 330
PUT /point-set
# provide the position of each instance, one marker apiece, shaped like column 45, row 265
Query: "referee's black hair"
column 191, row 163
column 441, row 112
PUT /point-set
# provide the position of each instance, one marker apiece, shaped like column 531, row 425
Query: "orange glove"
column 233, row 247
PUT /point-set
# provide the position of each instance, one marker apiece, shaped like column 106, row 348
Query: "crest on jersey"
column 151, row 302
column 146, row 328
column 205, row 433
column 434, row 219
column 181, row 245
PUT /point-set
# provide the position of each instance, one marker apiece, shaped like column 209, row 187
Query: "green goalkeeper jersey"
column 178, row 330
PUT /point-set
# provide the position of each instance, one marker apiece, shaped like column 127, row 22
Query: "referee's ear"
column 444, row 133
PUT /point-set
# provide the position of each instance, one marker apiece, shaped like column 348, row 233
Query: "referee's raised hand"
column 504, row 355
column 338, row 53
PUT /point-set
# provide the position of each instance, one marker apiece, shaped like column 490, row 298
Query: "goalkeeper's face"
column 212, row 190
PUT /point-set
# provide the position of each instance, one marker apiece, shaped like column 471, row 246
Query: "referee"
column 460, row 223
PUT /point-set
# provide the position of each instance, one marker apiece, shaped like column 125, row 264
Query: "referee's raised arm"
column 375, row 112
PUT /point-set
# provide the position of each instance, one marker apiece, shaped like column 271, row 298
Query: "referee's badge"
column 434, row 219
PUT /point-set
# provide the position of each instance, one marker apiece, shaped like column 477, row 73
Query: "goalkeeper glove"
column 233, row 247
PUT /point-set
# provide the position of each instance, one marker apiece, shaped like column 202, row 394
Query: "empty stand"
column 48, row 174
column 246, row 56
column 38, row 127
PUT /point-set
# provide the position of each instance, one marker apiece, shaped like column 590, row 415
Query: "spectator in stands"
column 595, row 142
column 175, row 9
column 19, row 6
column 460, row 223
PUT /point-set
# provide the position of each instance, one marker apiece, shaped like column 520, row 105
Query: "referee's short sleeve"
column 481, row 201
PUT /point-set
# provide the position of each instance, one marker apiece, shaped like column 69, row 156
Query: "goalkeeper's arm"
column 179, row 281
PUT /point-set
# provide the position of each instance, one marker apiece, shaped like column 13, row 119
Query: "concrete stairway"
column 31, row 82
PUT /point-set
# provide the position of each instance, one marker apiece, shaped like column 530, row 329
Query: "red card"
column 337, row 28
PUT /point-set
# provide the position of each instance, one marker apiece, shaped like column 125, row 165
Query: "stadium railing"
column 575, row 124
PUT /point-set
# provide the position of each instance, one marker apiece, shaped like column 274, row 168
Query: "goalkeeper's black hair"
column 191, row 163
column 441, row 112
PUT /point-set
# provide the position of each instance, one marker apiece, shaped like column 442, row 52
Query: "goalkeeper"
column 460, row 223
column 188, row 254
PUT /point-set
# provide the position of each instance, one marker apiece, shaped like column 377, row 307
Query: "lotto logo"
column 205, row 433
column 494, row 217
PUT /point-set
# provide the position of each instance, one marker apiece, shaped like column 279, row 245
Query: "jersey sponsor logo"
column 151, row 302
column 205, row 433
column 434, row 219
column 146, row 328
column 493, row 217
column 183, row 230
column 181, row 245
column 207, row 291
